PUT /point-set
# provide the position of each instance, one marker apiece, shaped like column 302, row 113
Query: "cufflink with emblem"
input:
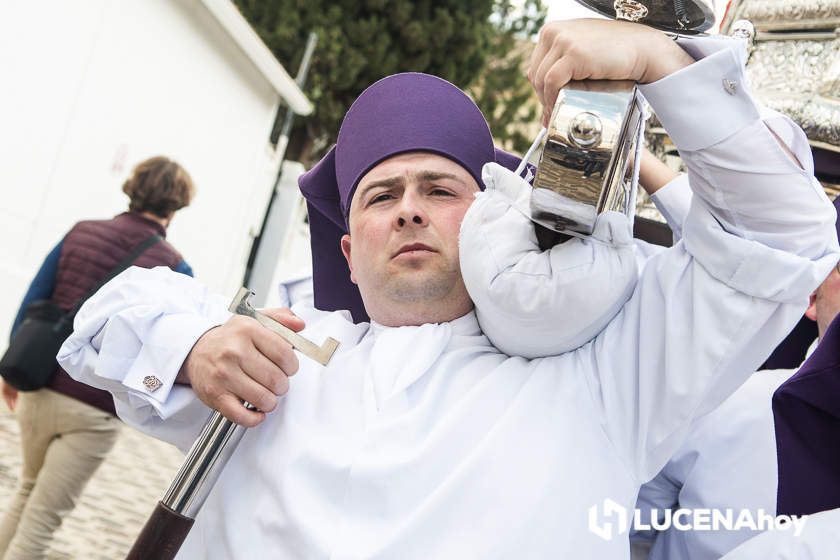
column 152, row 383
column 731, row 86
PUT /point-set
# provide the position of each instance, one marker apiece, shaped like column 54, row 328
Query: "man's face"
column 405, row 217
column 825, row 302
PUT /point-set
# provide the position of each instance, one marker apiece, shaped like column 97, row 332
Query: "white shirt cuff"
column 167, row 344
column 673, row 201
column 707, row 101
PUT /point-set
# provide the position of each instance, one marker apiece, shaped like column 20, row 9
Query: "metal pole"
column 173, row 517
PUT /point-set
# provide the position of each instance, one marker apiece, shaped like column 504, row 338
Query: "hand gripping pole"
column 321, row 354
column 173, row 517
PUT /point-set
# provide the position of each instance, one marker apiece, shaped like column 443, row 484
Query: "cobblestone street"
column 115, row 503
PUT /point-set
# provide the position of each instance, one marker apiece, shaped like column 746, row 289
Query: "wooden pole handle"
column 162, row 535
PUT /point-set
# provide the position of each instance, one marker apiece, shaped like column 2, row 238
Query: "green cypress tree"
column 362, row 41
column 501, row 90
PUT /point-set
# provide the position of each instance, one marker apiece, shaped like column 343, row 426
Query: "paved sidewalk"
column 115, row 503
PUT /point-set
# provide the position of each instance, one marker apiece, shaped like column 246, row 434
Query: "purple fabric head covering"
column 398, row 114
column 806, row 415
column 837, row 220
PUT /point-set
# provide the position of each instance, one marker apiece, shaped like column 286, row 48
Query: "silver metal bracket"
column 321, row 354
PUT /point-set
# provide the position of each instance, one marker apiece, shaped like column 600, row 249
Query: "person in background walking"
column 67, row 428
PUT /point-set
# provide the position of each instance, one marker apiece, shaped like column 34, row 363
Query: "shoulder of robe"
column 757, row 391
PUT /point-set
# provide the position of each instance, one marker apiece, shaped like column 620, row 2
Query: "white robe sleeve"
column 673, row 201
column 544, row 297
column 758, row 239
column 547, row 296
column 143, row 323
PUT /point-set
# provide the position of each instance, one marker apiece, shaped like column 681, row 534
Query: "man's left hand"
column 593, row 49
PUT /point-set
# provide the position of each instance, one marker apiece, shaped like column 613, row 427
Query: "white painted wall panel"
column 97, row 86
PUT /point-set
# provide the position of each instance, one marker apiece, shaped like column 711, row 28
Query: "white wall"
column 90, row 89
column 293, row 267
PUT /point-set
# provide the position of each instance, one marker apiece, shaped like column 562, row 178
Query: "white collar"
column 465, row 325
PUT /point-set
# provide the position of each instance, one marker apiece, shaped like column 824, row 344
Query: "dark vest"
column 89, row 251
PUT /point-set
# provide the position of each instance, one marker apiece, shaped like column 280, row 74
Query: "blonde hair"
column 160, row 186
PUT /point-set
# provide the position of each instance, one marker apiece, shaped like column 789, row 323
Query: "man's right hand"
column 595, row 49
column 242, row 361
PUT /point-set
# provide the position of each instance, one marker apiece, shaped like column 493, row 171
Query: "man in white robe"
column 806, row 416
column 420, row 439
column 728, row 460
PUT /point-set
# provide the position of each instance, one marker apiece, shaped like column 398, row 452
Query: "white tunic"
column 427, row 442
column 728, row 461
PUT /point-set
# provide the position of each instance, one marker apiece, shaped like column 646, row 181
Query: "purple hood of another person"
column 806, row 415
